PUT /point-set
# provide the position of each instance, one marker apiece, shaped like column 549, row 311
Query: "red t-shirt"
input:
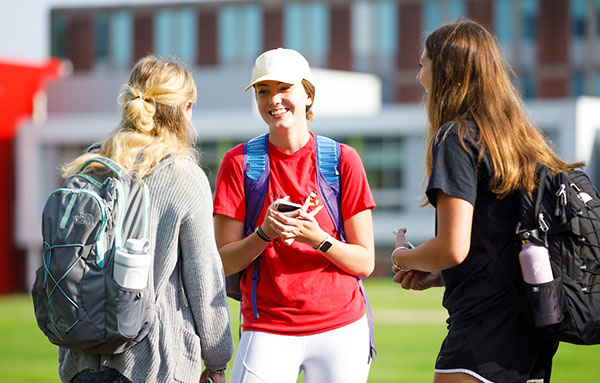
column 300, row 291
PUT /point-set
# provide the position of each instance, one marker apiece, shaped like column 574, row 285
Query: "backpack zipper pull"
column 561, row 200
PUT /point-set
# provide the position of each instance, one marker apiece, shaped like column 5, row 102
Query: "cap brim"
column 274, row 77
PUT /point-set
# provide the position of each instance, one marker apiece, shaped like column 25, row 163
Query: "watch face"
column 325, row 246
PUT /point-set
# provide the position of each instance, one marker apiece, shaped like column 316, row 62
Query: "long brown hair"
column 470, row 81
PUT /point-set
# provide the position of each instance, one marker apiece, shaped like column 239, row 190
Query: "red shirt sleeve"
column 229, row 190
column 356, row 194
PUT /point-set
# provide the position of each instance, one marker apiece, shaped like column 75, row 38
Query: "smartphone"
column 286, row 206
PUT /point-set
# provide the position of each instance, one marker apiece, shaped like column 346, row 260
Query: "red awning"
column 19, row 84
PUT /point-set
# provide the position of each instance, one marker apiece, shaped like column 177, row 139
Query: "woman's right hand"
column 269, row 227
column 401, row 240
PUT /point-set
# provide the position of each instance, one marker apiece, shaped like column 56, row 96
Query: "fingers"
column 414, row 283
column 401, row 240
column 402, row 276
column 282, row 229
column 412, row 279
column 306, row 204
column 398, row 231
column 315, row 211
column 298, row 225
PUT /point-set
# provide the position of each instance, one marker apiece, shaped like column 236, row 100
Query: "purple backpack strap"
column 256, row 186
column 256, row 183
column 328, row 158
column 256, row 178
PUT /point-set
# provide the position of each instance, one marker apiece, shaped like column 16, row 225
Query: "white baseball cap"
column 285, row 65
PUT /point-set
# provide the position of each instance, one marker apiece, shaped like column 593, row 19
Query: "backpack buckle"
column 542, row 223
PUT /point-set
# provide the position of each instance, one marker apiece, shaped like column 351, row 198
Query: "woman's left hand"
column 300, row 225
column 416, row 280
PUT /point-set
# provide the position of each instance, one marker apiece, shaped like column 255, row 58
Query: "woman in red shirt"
column 311, row 311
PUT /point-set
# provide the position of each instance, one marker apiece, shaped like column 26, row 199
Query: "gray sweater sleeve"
column 203, row 278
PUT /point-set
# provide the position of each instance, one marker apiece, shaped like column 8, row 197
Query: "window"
column 437, row 13
column 454, row 10
column 384, row 161
column 503, row 21
column 530, row 15
column 527, row 85
column 100, row 25
column 306, row 29
column 577, row 10
column 175, row 33
column 59, row 35
column 431, row 15
column 240, row 34
column 374, row 35
column 577, row 84
column 120, row 32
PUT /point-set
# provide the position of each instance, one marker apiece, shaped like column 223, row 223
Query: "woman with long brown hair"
column 481, row 149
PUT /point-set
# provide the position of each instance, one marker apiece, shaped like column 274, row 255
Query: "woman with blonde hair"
column 153, row 141
column 481, row 149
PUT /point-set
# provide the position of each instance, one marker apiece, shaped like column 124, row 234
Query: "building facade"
column 552, row 44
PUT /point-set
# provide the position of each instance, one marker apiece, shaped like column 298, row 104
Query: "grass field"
column 409, row 327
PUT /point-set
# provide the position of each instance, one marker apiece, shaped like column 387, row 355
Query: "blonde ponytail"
column 153, row 122
column 137, row 109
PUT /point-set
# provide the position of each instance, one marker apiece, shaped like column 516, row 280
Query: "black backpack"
column 77, row 302
column 564, row 214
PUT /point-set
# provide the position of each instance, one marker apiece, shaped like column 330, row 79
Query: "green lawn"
column 409, row 327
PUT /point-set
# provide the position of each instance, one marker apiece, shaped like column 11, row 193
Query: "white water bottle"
column 535, row 264
column 131, row 264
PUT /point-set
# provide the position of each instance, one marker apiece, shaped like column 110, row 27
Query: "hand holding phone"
column 287, row 206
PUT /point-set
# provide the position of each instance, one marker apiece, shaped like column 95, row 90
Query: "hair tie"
column 136, row 93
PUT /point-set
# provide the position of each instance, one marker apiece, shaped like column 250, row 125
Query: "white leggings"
column 336, row 356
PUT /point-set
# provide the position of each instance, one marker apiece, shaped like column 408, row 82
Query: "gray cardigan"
column 181, row 337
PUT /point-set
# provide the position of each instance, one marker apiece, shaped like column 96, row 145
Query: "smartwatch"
column 326, row 244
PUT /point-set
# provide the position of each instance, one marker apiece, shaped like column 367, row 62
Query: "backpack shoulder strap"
column 256, row 185
column 327, row 162
column 256, row 178
column 107, row 163
column 328, row 156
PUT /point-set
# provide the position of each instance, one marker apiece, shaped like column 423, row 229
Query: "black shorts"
column 499, row 349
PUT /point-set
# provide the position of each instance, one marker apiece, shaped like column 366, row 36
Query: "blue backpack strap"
column 328, row 158
column 256, row 185
column 107, row 163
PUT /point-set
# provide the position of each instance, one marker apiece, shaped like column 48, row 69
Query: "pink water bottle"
column 535, row 263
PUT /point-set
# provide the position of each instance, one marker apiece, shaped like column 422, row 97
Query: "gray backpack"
column 78, row 304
